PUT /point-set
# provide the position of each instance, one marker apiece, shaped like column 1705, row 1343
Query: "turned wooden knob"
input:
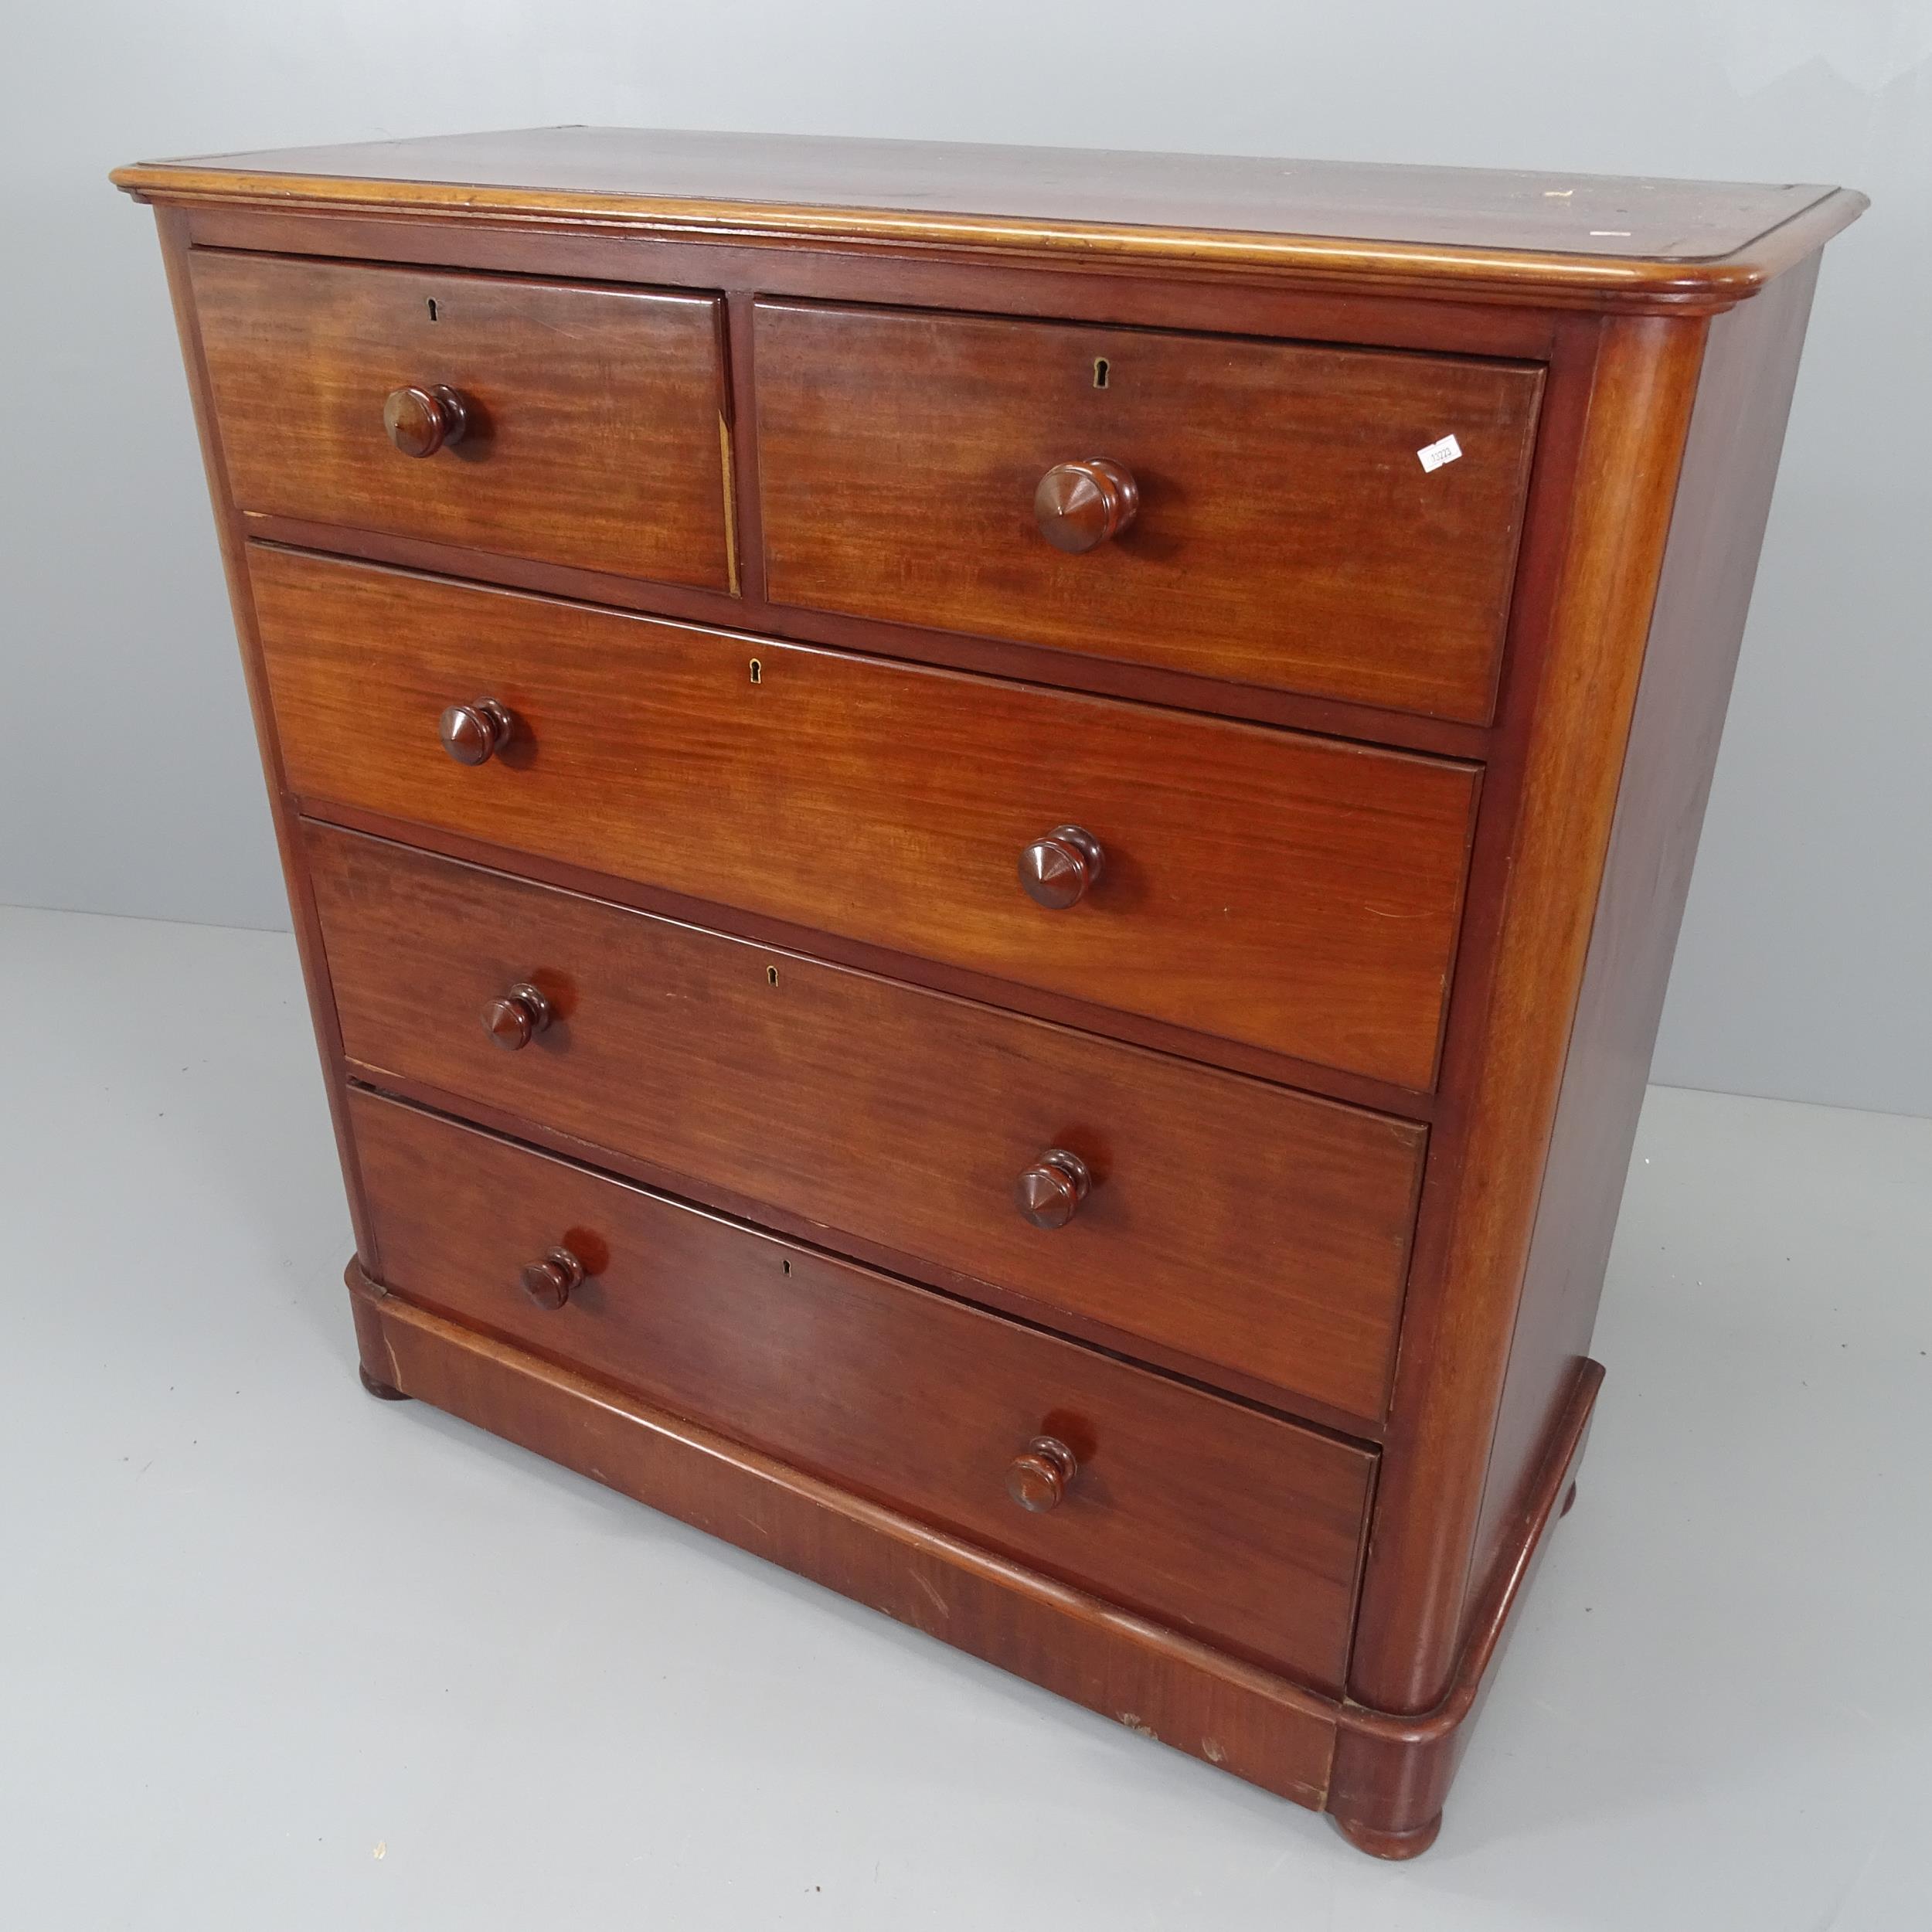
column 517, row 1019
column 1042, row 1474
column 1078, row 506
column 548, row 1283
column 1061, row 868
column 421, row 421
column 474, row 733
column 1050, row 1192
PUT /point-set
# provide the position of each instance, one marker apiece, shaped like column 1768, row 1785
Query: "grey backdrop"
column 129, row 781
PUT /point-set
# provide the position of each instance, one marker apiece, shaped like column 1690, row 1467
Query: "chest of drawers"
column 986, row 843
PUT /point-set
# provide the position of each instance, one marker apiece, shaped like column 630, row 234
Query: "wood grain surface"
column 1235, row 1526
column 1722, row 501
column 1287, row 535
column 1164, row 1686
column 1541, row 236
column 1288, row 891
column 1240, row 1224
column 1557, row 780
column 597, row 436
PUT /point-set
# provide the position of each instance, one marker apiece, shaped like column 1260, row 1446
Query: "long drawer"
column 569, row 424
column 1277, row 514
column 1236, row 1526
column 1287, row 891
column 1246, row 1227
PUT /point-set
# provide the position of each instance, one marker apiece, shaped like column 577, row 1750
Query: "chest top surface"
column 1602, row 238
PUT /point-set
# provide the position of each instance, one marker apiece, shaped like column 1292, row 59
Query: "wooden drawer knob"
column 1078, row 506
column 1042, row 1474
column 517, row 1019
column 474, row 733
column 421, row 421
column 1050, row 1192
column 1060, row 870
column 548, row 1283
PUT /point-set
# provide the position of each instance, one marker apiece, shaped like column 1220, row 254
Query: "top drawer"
column 1287, row 533
column 593, row 423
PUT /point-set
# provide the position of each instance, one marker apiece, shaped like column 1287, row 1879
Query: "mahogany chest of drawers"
column 986, row 843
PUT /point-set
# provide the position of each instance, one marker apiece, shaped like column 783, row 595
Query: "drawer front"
column 593, row 429
column 1240, row 1527
column 1244, row 1226
column 1288, row 891
column 1287, row 533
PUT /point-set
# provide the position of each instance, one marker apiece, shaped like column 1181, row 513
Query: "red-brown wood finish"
column 1238, row 1527
column 1703, row 593
column 1391, row 1772
column 1269, row 520
column 1142, row 1674
column 1078, row 506
column 1292, row 892
column 1152, row 1680
column 421, row 421
column 1559, row 758
column 593, row 418
column 234, row 557
column 954, row 934
column 1548, row 238
column 1245, row 1227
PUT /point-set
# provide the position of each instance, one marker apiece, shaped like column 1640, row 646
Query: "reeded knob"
column 421, row 421
column 1078, row 506
column 517, row 1019
column 474, row 733
column 1042, row 1474
column 548, row 1283
column 1050, row 1192
column 1061, row 868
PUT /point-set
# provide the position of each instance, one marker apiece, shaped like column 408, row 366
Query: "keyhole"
column 432, row 308
column 1099, row 371
column 758, row 672
column 771, row 974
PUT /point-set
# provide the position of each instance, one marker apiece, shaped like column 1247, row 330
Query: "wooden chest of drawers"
column 986, row 845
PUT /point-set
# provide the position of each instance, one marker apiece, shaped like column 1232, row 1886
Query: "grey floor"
column 276, row 1656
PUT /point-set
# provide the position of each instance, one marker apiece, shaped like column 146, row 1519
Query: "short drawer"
column 1284, row 531
column 592, row 420
column 1246, row 1227
column 1284, row 890
column 1236, row 1526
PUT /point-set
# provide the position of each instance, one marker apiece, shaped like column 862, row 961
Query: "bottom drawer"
column 1240, row 1527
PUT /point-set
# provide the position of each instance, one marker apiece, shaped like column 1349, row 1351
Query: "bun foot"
column 1569, row 1501
column 1379, row 1844
column 381, row 1390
